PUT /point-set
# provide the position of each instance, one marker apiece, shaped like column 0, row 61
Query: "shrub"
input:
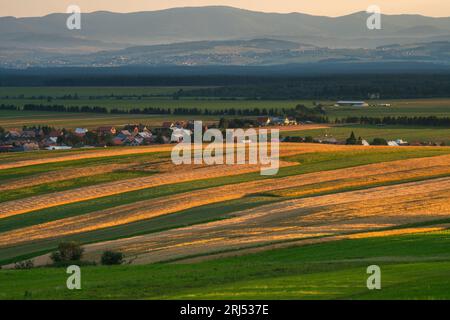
column 379, row 142
column 67, row 251
column 112, row 258
column 27, row 264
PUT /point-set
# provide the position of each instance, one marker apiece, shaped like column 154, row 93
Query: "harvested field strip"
column 86, row 155
column 337, row 214
column 8, row 175
column 60, row 175
column 370, row 180
column 60, row 186
column 56, row 199
column 156, row 207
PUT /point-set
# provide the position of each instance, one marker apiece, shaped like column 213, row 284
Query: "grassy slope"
column 309, row 163
column 413, row 266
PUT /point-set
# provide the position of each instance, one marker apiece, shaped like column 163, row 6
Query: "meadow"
column 413, row 266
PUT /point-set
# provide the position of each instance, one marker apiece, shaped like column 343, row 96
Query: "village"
column 49, row 138
column 131, row 135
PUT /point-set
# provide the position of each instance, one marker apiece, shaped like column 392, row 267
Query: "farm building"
column 106, row 130
column 351, row 104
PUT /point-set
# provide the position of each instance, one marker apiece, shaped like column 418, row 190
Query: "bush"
column 67, row 251
column 112, row 258
column 27, row 264
column 379, row 142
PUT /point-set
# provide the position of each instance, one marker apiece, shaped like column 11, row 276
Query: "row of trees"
column 155, row 110
column 400, row 120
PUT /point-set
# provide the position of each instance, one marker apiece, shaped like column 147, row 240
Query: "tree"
column 379, row 142
column 67, row 251
column 352, row 139
column 112, row 258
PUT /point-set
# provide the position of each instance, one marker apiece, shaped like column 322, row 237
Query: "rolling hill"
column 215, row 33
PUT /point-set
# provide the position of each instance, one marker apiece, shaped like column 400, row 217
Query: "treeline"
column 432, row 121
column 8, row 107
column 157, row 110
column 332, row 88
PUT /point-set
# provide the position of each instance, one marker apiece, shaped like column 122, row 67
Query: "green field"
column 407, row 133
column 142, row 97
column 412, row 267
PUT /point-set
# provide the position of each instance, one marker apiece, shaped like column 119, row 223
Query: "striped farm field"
column 330, row 207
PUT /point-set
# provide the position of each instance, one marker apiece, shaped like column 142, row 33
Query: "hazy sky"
column 21, row 8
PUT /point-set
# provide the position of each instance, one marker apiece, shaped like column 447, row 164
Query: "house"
column 401, row 142
column 147, row 136
column 28, row 134
column 106, row 131
column 365, row 143
column 81, row 132
column 291, row 121
column 13, row 134
column 30, row 146
column 168, row 124
column 179, row 134
column 392, row 144
column 263, row 121
column 55, row 133
column 125, row 133
column 277, row 121
column 49, row 141
column 344, row 103
column 58, row 148
column 119, row 140
column 133, row 141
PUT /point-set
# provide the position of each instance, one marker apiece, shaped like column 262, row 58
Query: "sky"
column 28, row 8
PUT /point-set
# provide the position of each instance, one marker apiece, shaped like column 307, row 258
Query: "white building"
column 344, row 103
column 178, row 134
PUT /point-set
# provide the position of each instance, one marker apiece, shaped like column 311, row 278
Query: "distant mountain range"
column 218, row 36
